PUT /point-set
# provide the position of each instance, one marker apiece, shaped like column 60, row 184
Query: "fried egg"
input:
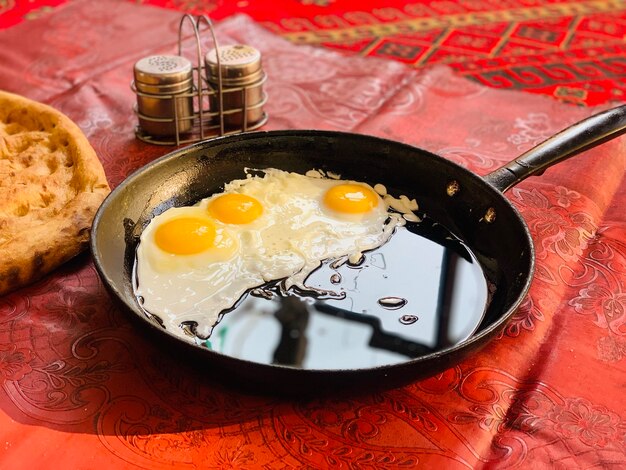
column 194, row 263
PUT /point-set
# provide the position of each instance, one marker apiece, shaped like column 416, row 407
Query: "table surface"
column 477, row 83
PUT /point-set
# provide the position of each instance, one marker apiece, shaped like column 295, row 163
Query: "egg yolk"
column 185, row 235
column 235, row 208
column 351, row 198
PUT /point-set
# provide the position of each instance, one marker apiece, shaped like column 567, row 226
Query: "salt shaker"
column 164, row 100
column 242, row 83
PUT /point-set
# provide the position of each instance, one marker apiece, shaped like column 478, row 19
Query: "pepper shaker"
column 164, row 101
column 242, row 83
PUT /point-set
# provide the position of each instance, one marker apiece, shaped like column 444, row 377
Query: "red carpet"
column 572, row 50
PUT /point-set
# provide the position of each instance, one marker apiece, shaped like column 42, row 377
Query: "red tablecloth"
column 571, row 50
column 82, row 388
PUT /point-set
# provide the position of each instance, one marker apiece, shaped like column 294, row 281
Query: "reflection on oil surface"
column 421, row 292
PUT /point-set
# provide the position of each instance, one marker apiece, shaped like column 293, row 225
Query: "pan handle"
column 577, row 138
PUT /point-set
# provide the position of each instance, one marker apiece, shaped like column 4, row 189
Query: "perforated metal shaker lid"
column 238, row 60
column 162, row 69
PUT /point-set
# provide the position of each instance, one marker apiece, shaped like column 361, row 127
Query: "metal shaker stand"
column 206, row 122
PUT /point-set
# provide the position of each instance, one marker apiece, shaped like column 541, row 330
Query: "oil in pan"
column 421, row 292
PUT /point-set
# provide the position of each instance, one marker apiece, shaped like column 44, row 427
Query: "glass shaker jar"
column 164, row 85
column 242, row 84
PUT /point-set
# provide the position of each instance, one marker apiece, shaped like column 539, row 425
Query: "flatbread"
column 51, row 184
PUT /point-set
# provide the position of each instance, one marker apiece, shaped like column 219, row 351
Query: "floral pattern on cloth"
column 547, row 391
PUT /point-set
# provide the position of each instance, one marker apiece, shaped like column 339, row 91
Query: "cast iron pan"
column 470, row 207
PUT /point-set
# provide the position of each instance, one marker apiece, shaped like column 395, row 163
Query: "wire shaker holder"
column 178, row 103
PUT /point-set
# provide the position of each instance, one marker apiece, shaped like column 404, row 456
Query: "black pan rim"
column 474, row 340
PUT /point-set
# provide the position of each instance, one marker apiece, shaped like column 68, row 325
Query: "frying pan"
column 471, row 207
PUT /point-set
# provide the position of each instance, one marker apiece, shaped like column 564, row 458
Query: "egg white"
column 294, row 234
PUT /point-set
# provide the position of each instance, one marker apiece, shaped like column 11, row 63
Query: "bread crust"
column 51, row 184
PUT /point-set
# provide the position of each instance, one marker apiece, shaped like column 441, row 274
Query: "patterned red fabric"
column 571, row 50
column 81, row 387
